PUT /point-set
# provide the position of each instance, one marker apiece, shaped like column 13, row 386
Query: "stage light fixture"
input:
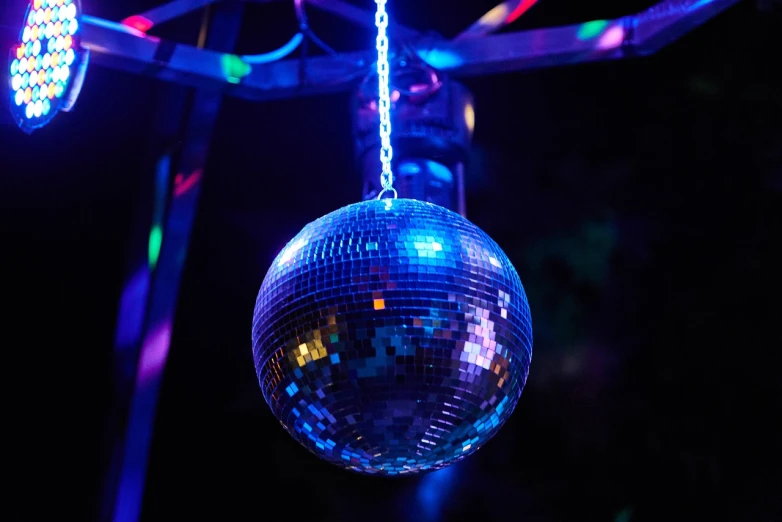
column 47, row 64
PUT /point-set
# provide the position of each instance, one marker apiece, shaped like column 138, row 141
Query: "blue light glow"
column 434, row 490
column 440, row 59
column 278, row 54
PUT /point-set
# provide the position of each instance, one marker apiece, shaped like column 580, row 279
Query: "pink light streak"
column 154, row 353
column 522, row 8
column 183, row 184
column 612, row 38
column 138, row 22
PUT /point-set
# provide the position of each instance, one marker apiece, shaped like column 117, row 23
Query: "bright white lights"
column 291, row 251
column 41, row 63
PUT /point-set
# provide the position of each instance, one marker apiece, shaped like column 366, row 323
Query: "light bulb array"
column 44, row 62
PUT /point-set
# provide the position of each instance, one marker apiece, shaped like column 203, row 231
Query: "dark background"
column 639, row 200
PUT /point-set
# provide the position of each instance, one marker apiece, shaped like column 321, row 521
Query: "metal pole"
column 150, row 309
column 143, row 254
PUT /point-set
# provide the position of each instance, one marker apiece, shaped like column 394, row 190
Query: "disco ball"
column 392, row 336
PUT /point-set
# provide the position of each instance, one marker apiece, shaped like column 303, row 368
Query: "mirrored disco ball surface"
column 392, row 337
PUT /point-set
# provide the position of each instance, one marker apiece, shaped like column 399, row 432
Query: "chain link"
column 384, row 99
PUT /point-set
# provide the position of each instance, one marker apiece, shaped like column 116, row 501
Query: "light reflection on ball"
column 392, row 337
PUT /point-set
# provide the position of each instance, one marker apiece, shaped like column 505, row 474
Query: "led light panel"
column 47, row 65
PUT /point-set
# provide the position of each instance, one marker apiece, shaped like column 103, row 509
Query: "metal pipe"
column 157, row 306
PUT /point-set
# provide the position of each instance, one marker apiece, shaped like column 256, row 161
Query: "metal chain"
column 384, row 100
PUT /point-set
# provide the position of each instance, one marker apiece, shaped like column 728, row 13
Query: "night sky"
column 639, row 201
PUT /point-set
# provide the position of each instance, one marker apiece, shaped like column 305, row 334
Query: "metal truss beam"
column 113, row 45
